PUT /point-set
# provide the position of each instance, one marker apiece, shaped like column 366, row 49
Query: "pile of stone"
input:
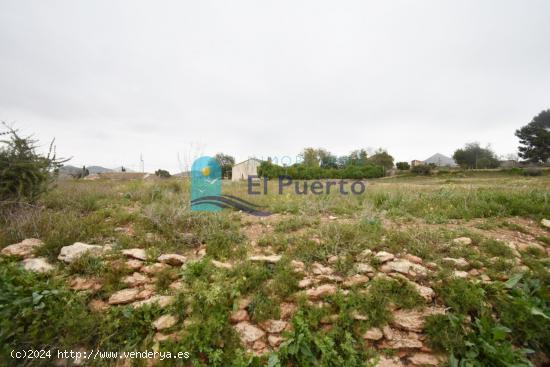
column 261, row 338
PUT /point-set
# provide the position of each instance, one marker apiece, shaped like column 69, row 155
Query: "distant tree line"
column 319, row 163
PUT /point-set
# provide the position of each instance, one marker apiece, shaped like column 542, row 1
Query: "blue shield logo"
column 206, row 184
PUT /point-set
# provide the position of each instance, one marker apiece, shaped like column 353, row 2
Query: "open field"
column 415, row 271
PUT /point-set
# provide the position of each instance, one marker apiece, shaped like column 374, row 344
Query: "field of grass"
column 446, row 270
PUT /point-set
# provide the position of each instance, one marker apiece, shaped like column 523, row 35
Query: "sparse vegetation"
column 328, row 240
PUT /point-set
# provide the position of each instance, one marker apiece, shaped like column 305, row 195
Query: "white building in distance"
column 242, row 170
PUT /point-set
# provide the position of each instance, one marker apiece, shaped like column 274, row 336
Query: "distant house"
column 242, row 170
column 509, row 163
column 441, row 160
column 416, row 162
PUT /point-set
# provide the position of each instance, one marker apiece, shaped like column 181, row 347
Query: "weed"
column 462, row 296
column 264, row 307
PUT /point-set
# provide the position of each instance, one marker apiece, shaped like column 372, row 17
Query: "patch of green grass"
column 278, row 242
column 112, row 276
column 284, row 280
column 38, row 312
column 164, row 278
column 264, row 307
column 446, row 333
column 523, row 305
column 307, row 345
column 463, row 296
column 513, row 226
column 381, row 292
column 225, row 245
column 87, row 264
column 439, row 206
column 294, row 223
column 496, row 248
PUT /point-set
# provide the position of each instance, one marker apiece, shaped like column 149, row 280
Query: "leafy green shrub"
column 162, row 173
column 307, row 346
column 423, row 169
column 37, row 312
column 523, row 305
column 403, row 166
column 304, row 172
column 532, row 171
column 489, row 345
column 446, row 333
column 264, row 307
column 128, row 328
column 375, row 302
column 462, row 296
column 25, row 174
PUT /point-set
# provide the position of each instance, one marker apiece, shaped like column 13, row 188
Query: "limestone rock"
column 274, row 326
column 248, row 332
column 239, row 316
column 365, row 254
column 409, row 320
column 70, row 253
column 464, row 241
column 355, row 280
column 401, row 339
column 23, row 249
column 460, row 262
column 514, row 249
column 413, row 259
column 389, row 362
column 124, row 296
column 331, row 278
column 363, row 268
column 319, row 269
column 297, row 266
column 135, row 253
column 460, row 274
column 384, row 256
column 98, row 305
column 164, row 322
column 85, row 284
column 136, row 279
column 160, row 337
column 162, row 301
column 545, row 223
column 154, row 268
column 146, row 293
column 259, row 347
column 321, row 291
column 426, row 292
column 287, row 310
column 373, row 334
column 39, row 265
column 269, row 259
column 177, row 285
column 244, row 303
column 172, row 259
column 406, row 267
column 134, row 264
column 222, row 265
column 305, row 283
column 523, row 247
column 424, row 359
column 275, row 340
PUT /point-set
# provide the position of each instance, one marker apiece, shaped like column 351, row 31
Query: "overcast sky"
column 111, row 80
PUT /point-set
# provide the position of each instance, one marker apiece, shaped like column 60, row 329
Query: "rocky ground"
column 404, row 334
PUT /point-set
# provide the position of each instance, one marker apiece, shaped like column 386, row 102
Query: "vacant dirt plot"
column 416, row 271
